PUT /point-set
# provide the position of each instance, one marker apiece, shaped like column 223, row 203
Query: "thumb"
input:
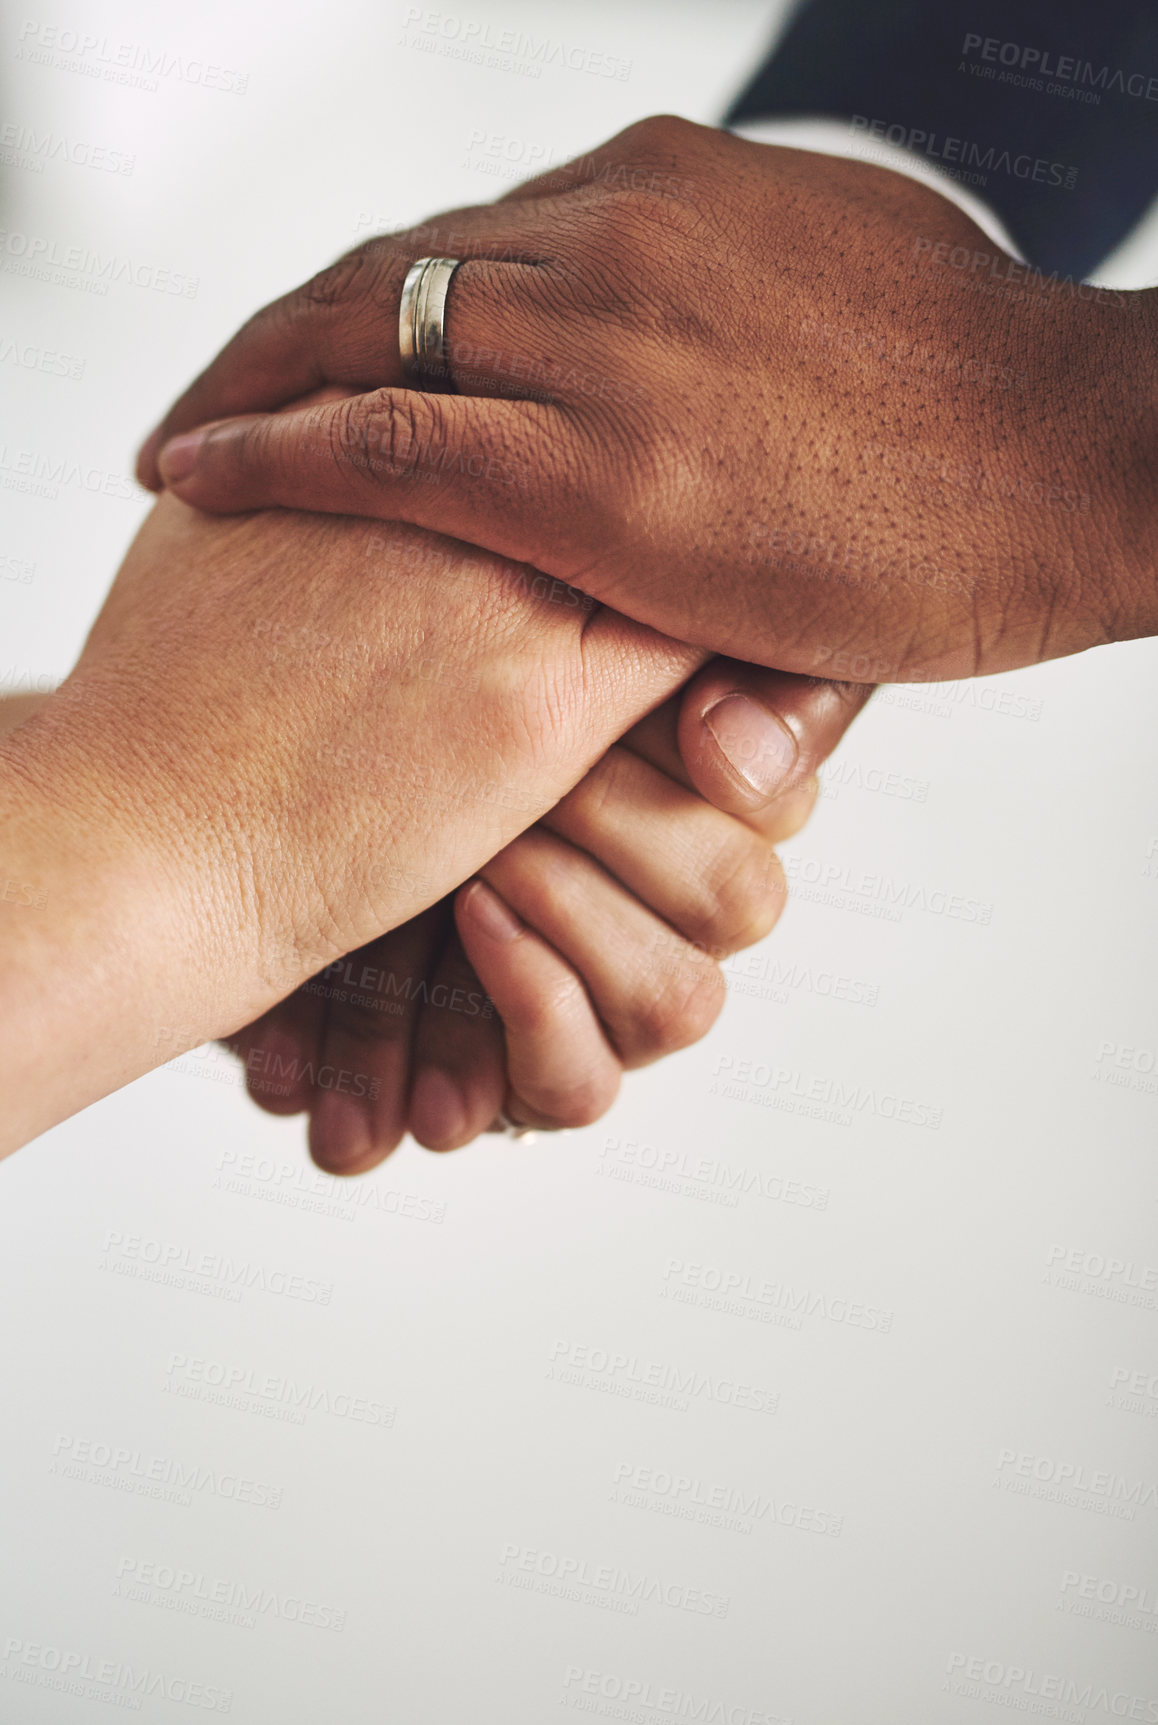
column 748, row 736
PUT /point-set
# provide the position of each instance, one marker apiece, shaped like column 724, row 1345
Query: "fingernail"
column 179, row 456
column 437, row 1109
column 754, row 741
column 145, row 458
column 340, row 1134
column 493, row 916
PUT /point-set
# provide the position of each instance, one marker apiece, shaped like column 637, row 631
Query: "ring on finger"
column 422, row 320
column 508, row 1128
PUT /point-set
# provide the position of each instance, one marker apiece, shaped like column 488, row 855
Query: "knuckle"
column 338, row 283
column 614, row 278
column 571, row 1103
column 381, row 432
column 743, row 895
column 661, row 131
column 604, row 789
column 543, row 1014
column 681, row 1011
column 259, row 454
column 633, row 212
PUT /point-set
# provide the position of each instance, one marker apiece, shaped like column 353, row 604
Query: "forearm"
column 108, row 965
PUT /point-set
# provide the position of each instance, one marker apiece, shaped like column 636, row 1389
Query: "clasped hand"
column 736, row 392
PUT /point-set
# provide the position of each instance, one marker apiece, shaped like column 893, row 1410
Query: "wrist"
column 114, row 948
column 1121, row 553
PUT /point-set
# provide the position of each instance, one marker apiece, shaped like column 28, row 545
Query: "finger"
column 653, row 991
column 458, row 1059
column 561, row 1069
column 479, row 470
column 279, row 1052
column 362, row 1079
column 341, row 326
column 750, row 737
column 655, row 739
column 788, row 813
column 709, row 875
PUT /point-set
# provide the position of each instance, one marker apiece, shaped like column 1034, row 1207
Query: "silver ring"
column 422, row 320
column 508, row 1128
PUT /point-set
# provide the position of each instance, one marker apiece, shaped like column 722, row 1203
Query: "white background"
column 497, row 1316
